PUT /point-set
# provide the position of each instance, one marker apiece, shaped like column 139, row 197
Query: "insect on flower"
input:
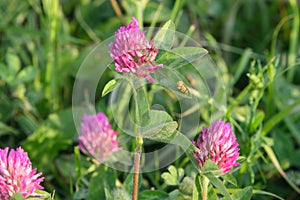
column 182, row 87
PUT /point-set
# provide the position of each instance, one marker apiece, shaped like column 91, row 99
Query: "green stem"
column 140, row 10
column 277, row 165
column 141, row 108
column 294, row 36
column 278, row 117
column 52, row 11
column 205, row 182
column 118, row 11
column 238, row 99
column 154, row 21
column 176, row 8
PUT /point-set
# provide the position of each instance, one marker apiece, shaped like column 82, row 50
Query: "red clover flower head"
column 218, row 144
column 98, row 138
column 132, row 52
column 17, row 175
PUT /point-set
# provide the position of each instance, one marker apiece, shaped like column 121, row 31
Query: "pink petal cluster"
column 98, row 139
column 17, row 175
column 132, row 52
column 218, row 144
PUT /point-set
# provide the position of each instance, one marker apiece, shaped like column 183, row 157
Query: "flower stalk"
column 133, row 53
column 136, row 169
column 205, row 182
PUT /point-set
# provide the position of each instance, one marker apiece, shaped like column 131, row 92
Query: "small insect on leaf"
column 182, row 87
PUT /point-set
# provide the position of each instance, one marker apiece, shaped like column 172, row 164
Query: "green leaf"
column 212, row 195
column 277, row 165
column 81, row 193
column 120, row 194
column 27, row 123
column 44, row 196
column 230, row 179
column 186, row 186
column 197, row 190
column 96, row 186
column 13, row 63
column 19, row 91
column 5, row 74
column 244, row 194
column 211, row 167
column 181, row 56
column 18, row 196
column 161, row 127
column 153, row 195
column 103, row 178
column 65, row 166
column 130, row 87
column 173, row 195
column 278, row 117
column 109, row 86
column 121, row 97
column 183, row 141
column 141, row 104
column 266, row 193
column 77, row 162
column 107, row 194
column 6, row 130
column 173, row 78
column 25, row 75
column 6, row 107
column 271, row 72
column 164, row 39
column 44, row 193
column 53, row 135
column 174, row 176
column 155, row 13
column 219, row 185
column 241, row 65
column 257, row 120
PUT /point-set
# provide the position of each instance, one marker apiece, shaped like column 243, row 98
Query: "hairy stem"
column 136, row 168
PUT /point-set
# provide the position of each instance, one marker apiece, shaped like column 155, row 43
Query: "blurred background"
column 43, row 42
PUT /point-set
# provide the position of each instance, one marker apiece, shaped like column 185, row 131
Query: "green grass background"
column 255, row 44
